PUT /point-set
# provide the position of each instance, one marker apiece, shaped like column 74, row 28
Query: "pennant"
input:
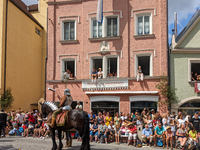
column 100, row 11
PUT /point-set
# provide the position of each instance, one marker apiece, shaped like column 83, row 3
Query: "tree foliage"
column 7, row 99
column 167, row 91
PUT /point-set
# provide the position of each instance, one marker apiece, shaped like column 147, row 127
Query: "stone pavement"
column 30, row 143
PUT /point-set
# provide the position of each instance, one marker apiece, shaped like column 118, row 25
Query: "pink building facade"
column 133, row 33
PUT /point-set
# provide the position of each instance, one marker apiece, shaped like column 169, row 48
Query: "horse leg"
column 53, row 139
column 60, row 140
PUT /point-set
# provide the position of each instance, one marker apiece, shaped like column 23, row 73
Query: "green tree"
column 167, row 92
column 7, row 99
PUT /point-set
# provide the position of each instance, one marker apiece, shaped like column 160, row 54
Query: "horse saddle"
column 61, row 118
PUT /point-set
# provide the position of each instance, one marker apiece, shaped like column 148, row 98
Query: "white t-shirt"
column 67, row 75
column 151, row 124
column 111, row 128
column 46, row 125
column 20, row 117
column 123, row 118
column 100, row 76
column 165, row 123
column 181, row 121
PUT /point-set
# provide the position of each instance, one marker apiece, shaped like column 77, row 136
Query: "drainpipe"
column 46, row 58
column 5, row 46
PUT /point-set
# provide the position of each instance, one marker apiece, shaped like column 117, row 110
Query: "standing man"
column 79, row 106
column 3, row 119
column 195, row 121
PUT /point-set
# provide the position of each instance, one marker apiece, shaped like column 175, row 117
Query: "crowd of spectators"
column 148, row 128
column 26, row 123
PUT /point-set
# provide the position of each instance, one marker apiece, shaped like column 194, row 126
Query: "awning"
column 124, row 92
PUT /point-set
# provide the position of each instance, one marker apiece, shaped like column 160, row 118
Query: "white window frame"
column 150, row 63
column 63, row 65
column 104, row 25
column 190, row 61
column 62, row 28
column 91, row 64
column 104, row 64
column 150, row 20
column 91, row 28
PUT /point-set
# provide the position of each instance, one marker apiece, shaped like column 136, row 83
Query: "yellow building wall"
column 2, row 36
column 24, row 67
column 41, row 17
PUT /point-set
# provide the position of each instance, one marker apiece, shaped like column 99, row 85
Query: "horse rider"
column 65, row 104
column 3, row 119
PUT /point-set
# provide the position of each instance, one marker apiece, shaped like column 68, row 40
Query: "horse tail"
column 85, row 137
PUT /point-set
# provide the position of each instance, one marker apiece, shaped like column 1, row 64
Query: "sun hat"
column 168, row 127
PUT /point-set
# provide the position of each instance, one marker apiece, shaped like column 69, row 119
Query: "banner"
column 100, row 11
column 197, row 87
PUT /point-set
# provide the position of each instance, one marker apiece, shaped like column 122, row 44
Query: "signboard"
column 105, row 85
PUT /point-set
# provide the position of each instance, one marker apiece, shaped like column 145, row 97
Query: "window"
column 69, row 30
column 96, row 29
column 112, row 67
column 143, row 104
column 97, row 63
column 109, row 27
column 38, row 31
column 112, row 26
column 195, row 71
column 143, row 24
column 146, row 62
column 68, row 64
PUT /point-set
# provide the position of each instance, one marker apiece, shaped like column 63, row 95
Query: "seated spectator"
column 180, row 120
column 127, row 130
column 192, row 138
column 139, row 74
column 94, row 131
column 100, row 73
column 181, row 133
column 94, row 75
column 139, row 121
column 102, row 130
column 159, row 133
column 132, row 133
column 14, row 131
column 46, row 130
column 117, row 133
column 91, row 120
column 8, row 127
column 111, row 128
column 169, row 136
column 29, row 129
column 37, row 128
column 147, row 134
column 31, row 117
column 122, row 129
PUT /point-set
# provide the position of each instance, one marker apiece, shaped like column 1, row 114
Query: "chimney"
column 175, row 24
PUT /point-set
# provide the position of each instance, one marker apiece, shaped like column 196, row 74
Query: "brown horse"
column 76, row 118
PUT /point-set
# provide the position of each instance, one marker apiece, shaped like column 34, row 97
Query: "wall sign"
column 105, row 85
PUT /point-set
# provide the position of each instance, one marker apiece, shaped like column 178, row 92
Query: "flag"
column 197, row 87
column 100, row 11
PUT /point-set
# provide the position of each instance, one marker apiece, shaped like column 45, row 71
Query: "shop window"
column 112, row 67
column 143, row 104
column 74, row 103
column 111, row 107
column 144, row 62
column 195, row 71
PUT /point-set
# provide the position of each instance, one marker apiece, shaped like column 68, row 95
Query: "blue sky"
column 184, row 8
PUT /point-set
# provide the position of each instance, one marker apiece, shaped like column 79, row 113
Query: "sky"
column 185, row 10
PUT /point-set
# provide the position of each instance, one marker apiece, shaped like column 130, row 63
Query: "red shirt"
column 31, row 119
column 133, row 129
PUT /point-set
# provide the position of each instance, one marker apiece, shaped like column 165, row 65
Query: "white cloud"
column 30, row 2
column 182, row 7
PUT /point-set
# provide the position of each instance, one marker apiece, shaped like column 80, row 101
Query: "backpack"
column 159, row 142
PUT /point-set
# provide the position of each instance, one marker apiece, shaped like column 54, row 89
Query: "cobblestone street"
column 16, row 143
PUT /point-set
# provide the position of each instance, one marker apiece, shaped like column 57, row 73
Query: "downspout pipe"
column 46, row 58
column 5, row 56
